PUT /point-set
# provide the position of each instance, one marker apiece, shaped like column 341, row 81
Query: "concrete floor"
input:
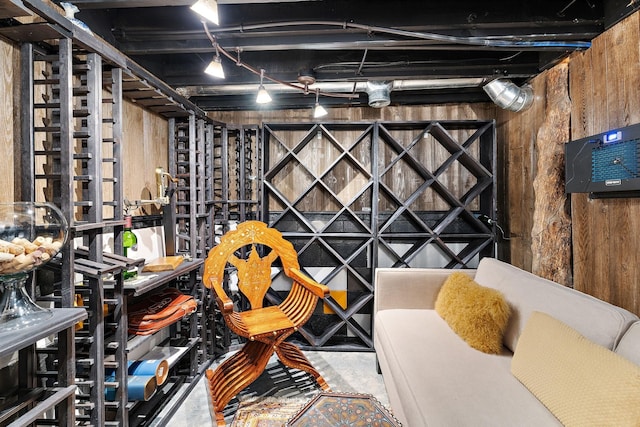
column 343, row 371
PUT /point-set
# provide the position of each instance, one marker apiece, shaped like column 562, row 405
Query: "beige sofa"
column 434, row 378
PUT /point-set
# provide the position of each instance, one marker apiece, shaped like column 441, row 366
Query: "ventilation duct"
column 343, row 86
column 379, row 94
column 505, row 94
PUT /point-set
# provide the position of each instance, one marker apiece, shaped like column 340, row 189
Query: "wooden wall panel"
column 8, row 69
column 604, row 83
column 517, row 168
column 144, row 149
column 551, row 232
column 399, row 180
column 603, row 89
column 392, row 113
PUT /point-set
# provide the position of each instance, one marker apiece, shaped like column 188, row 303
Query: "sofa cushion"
column 629, row 345
column 601, row 322
column 434, row 378
column 582, row 383
column 476, row 313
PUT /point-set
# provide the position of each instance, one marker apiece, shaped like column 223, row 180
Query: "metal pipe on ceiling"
column 346, row 86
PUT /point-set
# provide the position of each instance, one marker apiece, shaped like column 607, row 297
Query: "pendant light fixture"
column 215, row 66
column 207, row 9
column 263, row 96
column 319, row 110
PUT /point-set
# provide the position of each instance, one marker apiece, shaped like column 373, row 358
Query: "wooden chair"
column 265, row 328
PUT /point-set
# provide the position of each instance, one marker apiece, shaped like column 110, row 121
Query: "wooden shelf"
column 146, row 282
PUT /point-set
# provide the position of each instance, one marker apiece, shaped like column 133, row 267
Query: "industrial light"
column 215, row 66
column 319, row 110
column 263, row 96
column 207, row 9
column 505, row 94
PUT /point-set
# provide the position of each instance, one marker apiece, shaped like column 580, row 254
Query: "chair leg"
column 291, row 356
column 235, row 374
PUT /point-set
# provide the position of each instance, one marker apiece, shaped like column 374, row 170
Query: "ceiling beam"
column 122, row 4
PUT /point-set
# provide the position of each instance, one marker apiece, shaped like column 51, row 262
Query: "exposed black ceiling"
column 342, row 43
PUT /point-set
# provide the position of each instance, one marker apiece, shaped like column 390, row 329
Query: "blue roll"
column 158, row 368
column 139, row 387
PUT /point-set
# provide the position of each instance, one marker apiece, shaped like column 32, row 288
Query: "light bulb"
column 263, row 96
column 215, row 67
column 319, row 111
column 207, row 9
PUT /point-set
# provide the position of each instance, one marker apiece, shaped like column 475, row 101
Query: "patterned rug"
column 326, row 409
column 332, row 409
column 267, row 411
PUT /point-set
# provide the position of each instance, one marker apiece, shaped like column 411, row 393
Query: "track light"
column 215, row 66
column 319, row 110
column 505, row 94
column 207, row 9
column 263, row 96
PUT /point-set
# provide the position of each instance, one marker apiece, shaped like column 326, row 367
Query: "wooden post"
column 551, row 232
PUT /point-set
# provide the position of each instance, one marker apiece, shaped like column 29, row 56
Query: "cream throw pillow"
column 582, row 383
column 476, row 313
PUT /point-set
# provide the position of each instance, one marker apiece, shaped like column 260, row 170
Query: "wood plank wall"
column 551, row 233
column 516, row 136
column 144, row 149
column 8, row 69
column 320, row 154
column 531, row 205
column 605, row 93
column 604, row 83
column 427, row 112
column 144, row 145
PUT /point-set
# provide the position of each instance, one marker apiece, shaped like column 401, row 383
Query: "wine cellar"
column 100, row 137
column 331, row 188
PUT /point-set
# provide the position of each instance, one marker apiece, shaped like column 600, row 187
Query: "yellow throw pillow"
column 476, row 313
column 582, row 383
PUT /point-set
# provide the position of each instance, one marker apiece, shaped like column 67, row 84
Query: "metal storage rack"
column 235, row 199
column 355, row 196
column 192, row 162
column 32, row 400
column 71, row 152
column 74, row 137
column 244, row 201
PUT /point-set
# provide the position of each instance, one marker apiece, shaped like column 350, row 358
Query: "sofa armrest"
column 415, row 288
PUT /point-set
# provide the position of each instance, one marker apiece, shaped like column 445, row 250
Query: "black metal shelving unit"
column 34, row 398
column 355, row 196
column 73, row 86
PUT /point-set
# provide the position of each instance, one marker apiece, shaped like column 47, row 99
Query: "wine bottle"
column 129, row 241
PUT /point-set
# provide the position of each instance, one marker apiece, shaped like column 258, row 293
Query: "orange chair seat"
column 265, row 320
